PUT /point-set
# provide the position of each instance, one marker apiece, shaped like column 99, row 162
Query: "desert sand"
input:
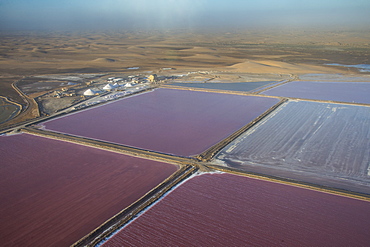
column 40, row 53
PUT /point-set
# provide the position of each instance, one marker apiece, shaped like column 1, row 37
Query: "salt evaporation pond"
column 230, row 86
column 321, row 143
column 53, row 193
column 230, row 210
column 352, row 92
column 178, row 122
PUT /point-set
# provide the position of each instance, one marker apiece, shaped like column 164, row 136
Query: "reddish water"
column 53, row 193
column 357, row 92
column 229, row 210
column 178, row 122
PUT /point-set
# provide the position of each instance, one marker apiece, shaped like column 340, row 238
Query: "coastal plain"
column 100, row 132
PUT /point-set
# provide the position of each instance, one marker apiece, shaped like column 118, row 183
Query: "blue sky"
column 128, row 14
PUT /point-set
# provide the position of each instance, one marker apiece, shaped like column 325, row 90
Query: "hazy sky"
column 129, row 14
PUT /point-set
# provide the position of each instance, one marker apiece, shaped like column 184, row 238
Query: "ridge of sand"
column 206, row 57
column 198, row 49
column 104, row 60
column 269, row 66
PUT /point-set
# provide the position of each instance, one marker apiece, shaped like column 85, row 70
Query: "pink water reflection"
column 229, row 210
column 53, row 193
column 178, row 122
column 351, row 92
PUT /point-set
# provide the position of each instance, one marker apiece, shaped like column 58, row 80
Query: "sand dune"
column 206, row 57
column 104, row 60
column 38, row 49
column 198, row 50
column 266, row 66
column 253, row 51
